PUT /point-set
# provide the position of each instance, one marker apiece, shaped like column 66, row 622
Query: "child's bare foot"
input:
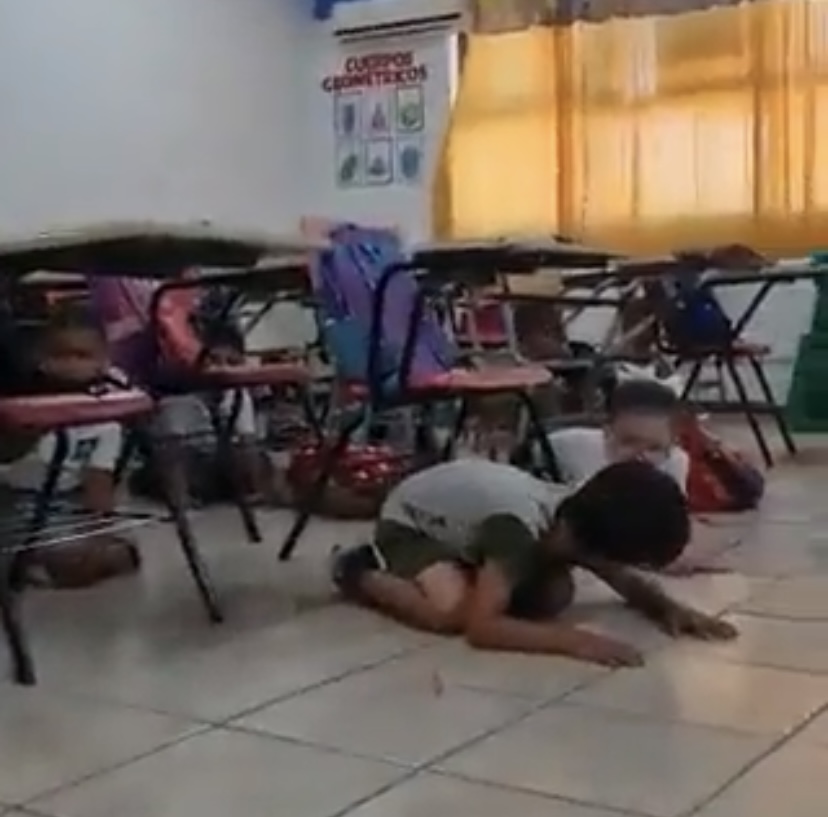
column 87, row 562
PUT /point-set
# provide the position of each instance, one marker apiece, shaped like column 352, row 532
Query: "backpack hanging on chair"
column 691, row 314
column 344, row 278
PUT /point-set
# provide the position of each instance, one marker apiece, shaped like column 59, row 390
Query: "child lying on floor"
column 641, row 425
column 70, row 355
column 487, row 550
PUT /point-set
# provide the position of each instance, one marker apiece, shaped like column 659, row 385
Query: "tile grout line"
column 203, row 727
column 762, row 756
column 552, row 798
column 25, row 804
column 312, row 687
column 209, row 726
column 788, row 619
column 221, row 721
column 532, row 704
column 428, row 765
column 666, row 720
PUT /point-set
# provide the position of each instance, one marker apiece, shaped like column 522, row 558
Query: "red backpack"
column 361, row 468
column 721, row 479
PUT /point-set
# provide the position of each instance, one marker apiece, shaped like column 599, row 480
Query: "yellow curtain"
column 646, row 133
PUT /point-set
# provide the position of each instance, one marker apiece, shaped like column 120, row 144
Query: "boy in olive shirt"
column 487, row 550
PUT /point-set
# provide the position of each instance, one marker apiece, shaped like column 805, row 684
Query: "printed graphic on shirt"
column 424, row 520
column 83, row 450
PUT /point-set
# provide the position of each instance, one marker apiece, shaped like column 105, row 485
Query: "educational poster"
column 379, row 161
column 378, row 118
column 349, row 163
column 408, row 159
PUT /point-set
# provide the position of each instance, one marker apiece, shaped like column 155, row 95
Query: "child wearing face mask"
column 641, row 425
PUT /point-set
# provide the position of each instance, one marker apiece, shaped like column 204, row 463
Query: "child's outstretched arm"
column 647, row 596
column 488, row 625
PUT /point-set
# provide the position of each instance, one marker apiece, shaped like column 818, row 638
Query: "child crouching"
column 486, row 550
column 71, row 355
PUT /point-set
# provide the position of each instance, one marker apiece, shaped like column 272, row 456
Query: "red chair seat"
column 254, row 374
column 490, row 380
column 47, row 412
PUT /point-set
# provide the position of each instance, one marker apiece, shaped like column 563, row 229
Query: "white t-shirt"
column 187, row 414
column 96, row 446
column 448, row 502
column 580, row 453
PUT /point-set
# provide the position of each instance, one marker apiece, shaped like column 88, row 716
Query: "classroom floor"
column 300, row 706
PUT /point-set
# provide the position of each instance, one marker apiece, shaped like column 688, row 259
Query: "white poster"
column 378, row 118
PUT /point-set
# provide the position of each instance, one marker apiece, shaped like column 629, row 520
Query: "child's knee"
column 446, row 588
column 449, row 618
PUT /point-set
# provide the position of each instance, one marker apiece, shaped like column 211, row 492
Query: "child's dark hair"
column 70, row 317
column 629, row 512
column 642, row 397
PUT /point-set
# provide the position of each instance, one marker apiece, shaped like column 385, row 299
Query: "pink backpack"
column 123, row 305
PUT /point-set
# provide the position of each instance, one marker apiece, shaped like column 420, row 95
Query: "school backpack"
column 123, row 306
column 344, row 279
column 721, row 480
column 691, row 315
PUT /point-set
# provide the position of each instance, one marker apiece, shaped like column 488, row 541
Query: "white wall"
column 171, row 109
column 182, row 110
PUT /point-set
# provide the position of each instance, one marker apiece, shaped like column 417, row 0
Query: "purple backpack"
column 344, row 279
column 122, row 305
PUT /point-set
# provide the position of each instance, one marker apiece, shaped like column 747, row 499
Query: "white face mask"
column 630, row 443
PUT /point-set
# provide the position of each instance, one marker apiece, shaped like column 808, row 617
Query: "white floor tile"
column 48, row 740
column 218, row 681
column 402, row 712
column 773, row 550
column 796, row 645
column 713, row 593
column 656, row 741
column 224, row 773
column 791, row 782
column 609, row 759
column 683, row 686
column 432, row 795
column 537, row 677
column 800, row 597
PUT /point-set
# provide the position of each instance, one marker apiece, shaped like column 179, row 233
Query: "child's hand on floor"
column 598, row 649
column 681, row 620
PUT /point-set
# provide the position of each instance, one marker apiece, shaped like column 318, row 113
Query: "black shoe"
column 349, row 565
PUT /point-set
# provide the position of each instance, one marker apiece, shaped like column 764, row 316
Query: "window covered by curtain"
column 647, row 132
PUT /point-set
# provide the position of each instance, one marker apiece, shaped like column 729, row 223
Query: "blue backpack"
column 692, row 315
